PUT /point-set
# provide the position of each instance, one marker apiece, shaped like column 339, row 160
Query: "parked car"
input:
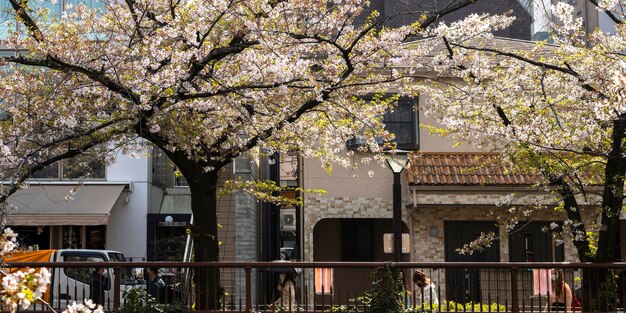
column 69, row 284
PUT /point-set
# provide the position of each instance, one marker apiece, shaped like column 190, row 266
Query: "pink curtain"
column 323, row 280
column 542, row 283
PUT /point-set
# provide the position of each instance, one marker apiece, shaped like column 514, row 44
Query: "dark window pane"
column 403, row 112
column 71, row 237
column 528, row 242
column 82, row 275
column 84, row 166
column 7, row 20
column 50, row 171
column 356, row 240
column 35, row 237
column 96, row 236
column 402, row 122
column 403, row 132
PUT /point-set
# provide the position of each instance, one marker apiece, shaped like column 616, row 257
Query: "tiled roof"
column 464, row 169
column 289, row 194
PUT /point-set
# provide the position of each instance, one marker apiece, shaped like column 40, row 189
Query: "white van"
column 73, row 284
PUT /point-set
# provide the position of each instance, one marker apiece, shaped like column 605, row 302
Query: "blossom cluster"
column 87, row 307
column 20, row 289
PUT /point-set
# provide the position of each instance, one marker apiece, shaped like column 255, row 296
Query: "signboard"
column 388, row 243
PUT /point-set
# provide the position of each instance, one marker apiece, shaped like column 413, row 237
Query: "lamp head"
column 397, row 160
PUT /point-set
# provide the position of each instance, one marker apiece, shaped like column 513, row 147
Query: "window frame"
column 414, row 103
column 355, row 142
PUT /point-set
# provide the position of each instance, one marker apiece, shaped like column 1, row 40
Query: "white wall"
column 127, row 228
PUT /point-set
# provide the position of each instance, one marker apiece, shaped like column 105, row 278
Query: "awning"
column 41, row 205
column 176, row 204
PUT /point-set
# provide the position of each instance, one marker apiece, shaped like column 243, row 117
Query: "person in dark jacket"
column 99, row 283
column 156, row 285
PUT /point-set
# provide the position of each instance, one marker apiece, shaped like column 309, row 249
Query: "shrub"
column 451, row 306
column 139, row 301
column 386, row 293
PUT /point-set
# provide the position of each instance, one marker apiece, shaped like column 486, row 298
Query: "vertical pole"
column 397, row 218
column 514, row 295
column 248, row 290
column 116, row 288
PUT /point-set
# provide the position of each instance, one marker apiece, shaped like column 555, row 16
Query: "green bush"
column 386, row 293
column 451, row 306
column 139, row 301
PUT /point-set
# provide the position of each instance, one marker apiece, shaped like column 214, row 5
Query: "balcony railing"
column 341, row 286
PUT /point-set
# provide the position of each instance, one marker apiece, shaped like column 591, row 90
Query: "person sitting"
column 560, row 299
column 287, row 289
column 427, row 288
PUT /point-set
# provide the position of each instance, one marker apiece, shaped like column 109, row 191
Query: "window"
column 356, row 240
column 96, row 237
column 71, row 237
column 54, row 10
column 164, row 171
column 403, row 123
column 82, row 275
column 83, row 166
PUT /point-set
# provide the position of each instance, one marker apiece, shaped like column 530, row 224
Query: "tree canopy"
column 203, row 81
column 556, row 109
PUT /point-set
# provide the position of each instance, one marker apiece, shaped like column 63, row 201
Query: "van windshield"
column 126, row 276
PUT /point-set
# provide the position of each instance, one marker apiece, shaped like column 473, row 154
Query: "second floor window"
column 80, row 167
column 164, row 172
column 403, row 123
column 52, row 9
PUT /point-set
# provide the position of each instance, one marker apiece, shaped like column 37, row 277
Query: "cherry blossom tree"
column 557, row 109
column 205, row 82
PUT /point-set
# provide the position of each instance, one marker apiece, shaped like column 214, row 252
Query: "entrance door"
column 529, row 243
column 463, row 285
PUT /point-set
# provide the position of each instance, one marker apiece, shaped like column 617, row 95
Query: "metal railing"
column 342, row 286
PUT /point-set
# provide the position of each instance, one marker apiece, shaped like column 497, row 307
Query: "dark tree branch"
column 236, row 45
column 20, row 8
column 450, row 9
column 70, row 153
column 60, row 65
column 608, row 13
column 133, row 13
column 566, row 70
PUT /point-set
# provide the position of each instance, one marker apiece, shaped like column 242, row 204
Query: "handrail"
column 563, row 265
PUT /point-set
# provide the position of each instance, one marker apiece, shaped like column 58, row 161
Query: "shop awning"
column 41, row 205
column 176, row 204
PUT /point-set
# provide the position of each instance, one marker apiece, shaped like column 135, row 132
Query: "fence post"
column 514, row 295
column 116, row 288
column 248, row 290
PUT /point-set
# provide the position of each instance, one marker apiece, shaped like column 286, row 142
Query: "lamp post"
column 396, row 161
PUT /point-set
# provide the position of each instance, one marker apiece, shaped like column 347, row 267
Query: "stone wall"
column 425, row 221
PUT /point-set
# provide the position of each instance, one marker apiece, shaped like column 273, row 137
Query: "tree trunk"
column 599, row 290
column 203, row 187
column 599, row 286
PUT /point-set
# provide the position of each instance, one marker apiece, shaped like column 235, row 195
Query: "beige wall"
column 342, row 183
column 436, row 143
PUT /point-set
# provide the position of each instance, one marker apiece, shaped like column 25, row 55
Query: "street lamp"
column 396, row 161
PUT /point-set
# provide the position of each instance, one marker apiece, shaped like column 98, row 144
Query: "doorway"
column 463, row 284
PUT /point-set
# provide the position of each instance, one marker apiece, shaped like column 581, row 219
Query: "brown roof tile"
column 464, row 169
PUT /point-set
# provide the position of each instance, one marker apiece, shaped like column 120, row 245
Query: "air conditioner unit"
column 355, row 143
column 288, row 219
